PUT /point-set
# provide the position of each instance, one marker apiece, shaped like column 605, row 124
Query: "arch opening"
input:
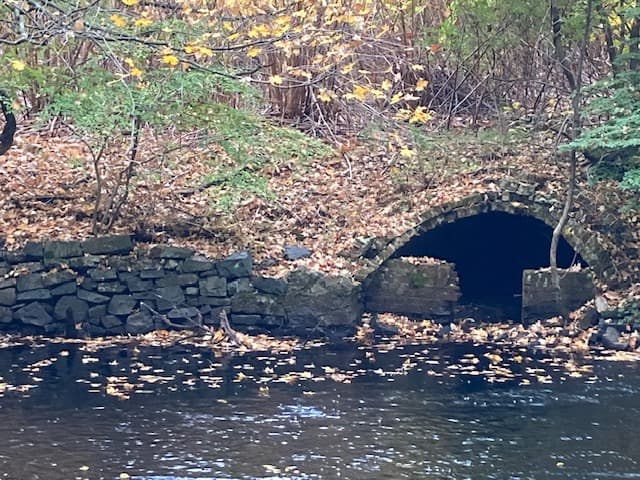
column 490, row 251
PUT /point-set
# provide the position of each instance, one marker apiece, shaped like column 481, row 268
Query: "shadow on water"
column 490, row 251
column 404, row 412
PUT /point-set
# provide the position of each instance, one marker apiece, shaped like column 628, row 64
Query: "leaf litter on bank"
column 317, row 205
column 505, row 353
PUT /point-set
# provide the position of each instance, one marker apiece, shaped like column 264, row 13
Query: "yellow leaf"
column 258, row 31
column 18, row 65
column 275, row 80
column 254, row 52
column 130, row 3
column 129, row 62
column 377, row 94
column 386, row 85
column 135, row 72
column 143, row 22
column 299, row 72
column 118, row 21
column 358, row 93
column 417, row 68
column 403, row 114
column 204, row 51
column 170, row 60
column 325, row 95
column 347, row 68
column 421, row 84
column 420, row 115
column 406, row 152
column 396, row 98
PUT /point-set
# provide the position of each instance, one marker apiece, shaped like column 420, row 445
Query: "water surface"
column 447, row 412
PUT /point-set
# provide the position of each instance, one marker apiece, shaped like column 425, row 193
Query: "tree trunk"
column 6, row 137
column 575, row 83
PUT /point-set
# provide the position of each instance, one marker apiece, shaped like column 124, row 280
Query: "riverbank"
column 327, row 207
column 328, row 204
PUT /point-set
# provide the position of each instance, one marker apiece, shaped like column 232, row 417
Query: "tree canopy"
column 111, row 70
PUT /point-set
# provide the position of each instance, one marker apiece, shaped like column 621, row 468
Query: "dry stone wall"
column 107, row 286
column 425, row 290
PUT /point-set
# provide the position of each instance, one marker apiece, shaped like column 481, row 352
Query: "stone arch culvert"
column 491, row 250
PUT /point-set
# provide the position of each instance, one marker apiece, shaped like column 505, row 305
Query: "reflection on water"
column 408, row 413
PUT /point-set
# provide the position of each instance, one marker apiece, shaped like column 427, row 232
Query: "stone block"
column 152, row 273
column 33, row 250
column 103, row 274
column 6, row 315
column 15, row 257
column 92, row 297
column 109, row 245
column 53, row 279
column 214, row 301
column 8, row 297
column 64, row 289
column 185, row 279
column 428, row 290
column 61, row 249
column 197, row 265
column 34, row 314
column 274, row 286
column 82, row 264
column 111, row 321
column 55, row 328
column 121, row 305
column 239, row 285
column 136, row 284
column 254, row 303
column 138, row 323
column 171, row 280
column 169, row 297
column 315, row 300
column 32, row 281
column 111, row 287
column 245, row 320
column 72, row 309
column 541, row 299
column 88, row 284
column 236, row 265
column 97, row 313
column 295, row 252
column 213, row 287
column 185, row 317
column 170, row 252
column 30, row 295
column 7, row 282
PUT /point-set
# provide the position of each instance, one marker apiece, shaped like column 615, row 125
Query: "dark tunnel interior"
column 490, row 251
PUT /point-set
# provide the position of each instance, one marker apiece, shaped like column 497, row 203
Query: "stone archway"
column 587, row 243
column 490, row 252
column 579, row 243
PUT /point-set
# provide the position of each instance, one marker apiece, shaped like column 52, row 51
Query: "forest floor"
column 368, row 187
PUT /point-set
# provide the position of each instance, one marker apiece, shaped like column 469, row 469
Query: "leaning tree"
column 6, row 137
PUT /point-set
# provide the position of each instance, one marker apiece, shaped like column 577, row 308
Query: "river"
column 334, row 411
